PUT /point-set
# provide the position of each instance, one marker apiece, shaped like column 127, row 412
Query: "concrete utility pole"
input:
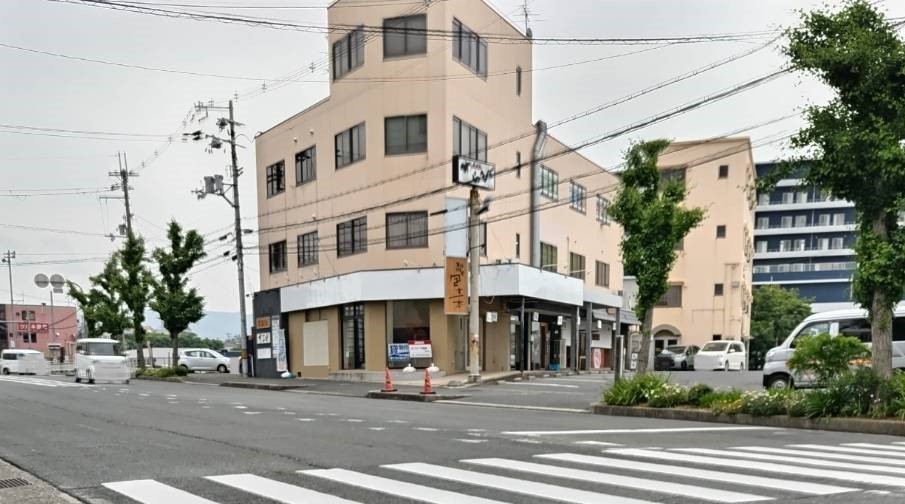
column 8, row 259
column 123, row 175
column 474, row 300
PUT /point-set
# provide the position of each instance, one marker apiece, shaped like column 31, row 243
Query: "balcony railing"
column 812, row 225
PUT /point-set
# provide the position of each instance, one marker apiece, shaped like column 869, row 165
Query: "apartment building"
column 38, row 327
column 709, row 295
column 804, row 239
column 358, row 211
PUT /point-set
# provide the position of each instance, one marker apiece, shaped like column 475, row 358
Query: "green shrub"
column 853, row 393
column 166, row 372
column 181, row 371
column 765, row 403
column 697, row 392
column 634, row 391
column 796, row 405
column 893, row 393
column 726, row 406
column 825, row 357
column 667, row 396
column 708, row 399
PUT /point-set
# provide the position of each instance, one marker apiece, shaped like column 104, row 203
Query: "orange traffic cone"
column 428, row 390
column 388, row 382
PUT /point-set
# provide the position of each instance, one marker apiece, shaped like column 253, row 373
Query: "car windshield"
column 675, row 349
column 715, row 346
column 102, row 349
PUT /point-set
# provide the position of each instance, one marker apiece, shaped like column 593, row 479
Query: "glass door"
column 353, row 336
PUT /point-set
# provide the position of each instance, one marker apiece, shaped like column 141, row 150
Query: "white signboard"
column 420, row 350
column 265, row 353
column 263, row 338
column 474, row 173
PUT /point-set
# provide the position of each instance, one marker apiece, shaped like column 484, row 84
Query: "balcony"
column 779, row 206
column 811, row 252
column 792, row 230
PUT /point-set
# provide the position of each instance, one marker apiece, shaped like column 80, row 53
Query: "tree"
column 856, row 146
column 774, row 313
column 178, row 305
column 653, row 220
column 102, row 306
column 136, row 287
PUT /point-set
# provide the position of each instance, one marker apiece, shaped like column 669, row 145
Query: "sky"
column 64, row 233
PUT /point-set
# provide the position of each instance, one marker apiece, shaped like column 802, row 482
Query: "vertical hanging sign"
column 456, row 286
column 279, row 344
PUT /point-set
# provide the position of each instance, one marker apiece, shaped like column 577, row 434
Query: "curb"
column 859, row 425
column 172, row 379
column 262, row 386
column 411, row 396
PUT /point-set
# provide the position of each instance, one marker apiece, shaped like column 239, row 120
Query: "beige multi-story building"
column 358, row 211
column 709, row 297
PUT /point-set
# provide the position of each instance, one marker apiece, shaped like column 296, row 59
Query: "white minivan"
column 851, row 322
column 23, row 361
column 100, row 359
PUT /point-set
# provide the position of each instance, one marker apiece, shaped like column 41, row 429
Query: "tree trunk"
column 644, row 355
column 139, row 346
column 881, row 314
column 174, row 337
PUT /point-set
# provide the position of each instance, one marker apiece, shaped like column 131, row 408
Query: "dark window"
column 406, row 230
column 411, row 321
column 518, row 81
column 673, row 174
column 672, row 298
column 10, row 356
column 469, row 48
column 276, row 178
column 306, row 166
column 308, row 244
column 518, row 164
column 405, row 134
column 278, row 258
column 548, row 257
column 603, row 210
column 858, row 328
column 602, row 274
column 518, row 246
column 352, row 237
column 576, row 265
column 469, row 141
column 350, row 145
column 404, row 35
column 348, row 53
column 718, row 289
column 353, row 336
column 483, row 239
column 724, row 171
column 578, row 197
column 721, row 231
column 717, row 337
column 549, row 183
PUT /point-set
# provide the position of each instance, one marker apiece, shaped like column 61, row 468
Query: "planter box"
column 861, row 425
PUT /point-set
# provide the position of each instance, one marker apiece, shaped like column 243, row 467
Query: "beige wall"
column 707, row 260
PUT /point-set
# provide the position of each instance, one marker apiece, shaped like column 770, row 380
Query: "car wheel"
column 186, row 368
column 684, row 366
column 779, row 382
column 5, row 372
column 77, row 379
column 126, row 382
column 222, row 368
column 90, row 378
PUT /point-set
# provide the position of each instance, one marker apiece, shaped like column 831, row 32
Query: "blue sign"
column 399, row 352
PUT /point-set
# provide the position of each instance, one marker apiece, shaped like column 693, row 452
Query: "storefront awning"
column 625, row 317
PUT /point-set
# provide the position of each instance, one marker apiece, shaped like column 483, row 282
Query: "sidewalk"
column 21, row 487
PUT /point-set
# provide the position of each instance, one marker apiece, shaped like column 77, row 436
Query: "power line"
column 60, row 193
column 83, row 132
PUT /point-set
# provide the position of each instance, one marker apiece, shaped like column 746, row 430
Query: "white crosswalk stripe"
column 852, row 449
column 617, row 476
column 891, row 447
column 41, row 382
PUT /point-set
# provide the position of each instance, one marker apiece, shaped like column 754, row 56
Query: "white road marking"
column 354, row 420
column 705, row 474
column 519, row 486
column 289, row 412
column 472, row 441
column 632, row 431
column 252, row 412
column 847, row 449
column 144, row 395
column 695, row 492
column 819, row 455
column 475, row 430
column 426, row 429
column 152, row 492
column 797, row 460
column 305, row 419
column 398, row 488
column 277, row 490
column 41, row 382
column 241, row 407
column 877, row 446
column 596, row 443
column 528, row 441
column 578, row 380
column 377, row 428
column 512, row 406
column 398, row 421
column 539, row 384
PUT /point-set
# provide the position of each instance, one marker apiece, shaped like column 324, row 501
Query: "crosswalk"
column 613, row 476
column 40, row 382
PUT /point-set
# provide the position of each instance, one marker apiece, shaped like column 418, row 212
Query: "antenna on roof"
column 526, row 12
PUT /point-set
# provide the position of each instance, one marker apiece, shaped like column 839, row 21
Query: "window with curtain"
column 406, row 230
column 405, row 36
column 405, row 134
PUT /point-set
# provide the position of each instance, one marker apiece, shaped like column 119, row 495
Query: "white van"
column 852, row 322
column 23, row 361
column 100, row 359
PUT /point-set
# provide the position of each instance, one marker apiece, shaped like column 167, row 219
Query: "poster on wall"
column 263, row 338
column 398, row 352
column 264, row 353
column 279, row 350
column 420, row 349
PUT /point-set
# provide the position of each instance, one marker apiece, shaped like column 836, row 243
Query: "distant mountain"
column 215, row 324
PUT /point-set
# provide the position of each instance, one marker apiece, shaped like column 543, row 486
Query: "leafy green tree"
column 176, row 303
column 101, row 305
column 654, row 221
column 774, row 313
column 856, row 144
column 136, row 288
column 826, row 357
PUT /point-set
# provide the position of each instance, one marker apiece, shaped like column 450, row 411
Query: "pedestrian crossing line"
column 783, row 469
column 705, row 474
column 152, row 492
column 635, row 431
column 847, row 449
column 825, row 455
column 42, row 382
column 877, row 446
column 798, row 460
column 696, row 492
column 394, row 487
column 514, row 485
column 277, row 490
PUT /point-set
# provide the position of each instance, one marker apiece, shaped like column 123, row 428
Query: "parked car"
column 676, row 357
column 851, row 322
column 722, row 356
column 23, row 361
column 202, row 359
column 100, row 359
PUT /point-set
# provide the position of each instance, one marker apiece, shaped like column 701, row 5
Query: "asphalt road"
column 161, row 442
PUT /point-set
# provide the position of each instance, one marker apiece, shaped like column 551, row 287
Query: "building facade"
column 709, row 295
column 358, row 211
column 33, row 327
column 804, row 239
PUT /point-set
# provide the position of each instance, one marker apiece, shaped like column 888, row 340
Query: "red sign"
column 32, row 327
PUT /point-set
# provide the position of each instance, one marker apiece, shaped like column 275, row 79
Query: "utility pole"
column 8, row 259
column 123, row 175
column 214, row 185
column 474, row 265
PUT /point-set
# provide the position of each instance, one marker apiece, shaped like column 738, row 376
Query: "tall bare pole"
column 240, row 261
column 8, row 259
column 474, row 264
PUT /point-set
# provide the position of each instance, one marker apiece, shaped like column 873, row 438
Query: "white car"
column 23, row 361
column 721, row 355
column 202, row 359
column 100, row 359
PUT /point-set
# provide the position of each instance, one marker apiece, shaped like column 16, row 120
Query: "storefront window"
column 411, row 321
column 353, row 336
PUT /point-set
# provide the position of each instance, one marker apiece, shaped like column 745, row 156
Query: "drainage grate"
column 13, row 483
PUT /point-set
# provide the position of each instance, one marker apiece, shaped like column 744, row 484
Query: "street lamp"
column 56, row 283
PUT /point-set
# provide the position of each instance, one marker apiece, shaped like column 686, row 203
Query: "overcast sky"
column 51, row 92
